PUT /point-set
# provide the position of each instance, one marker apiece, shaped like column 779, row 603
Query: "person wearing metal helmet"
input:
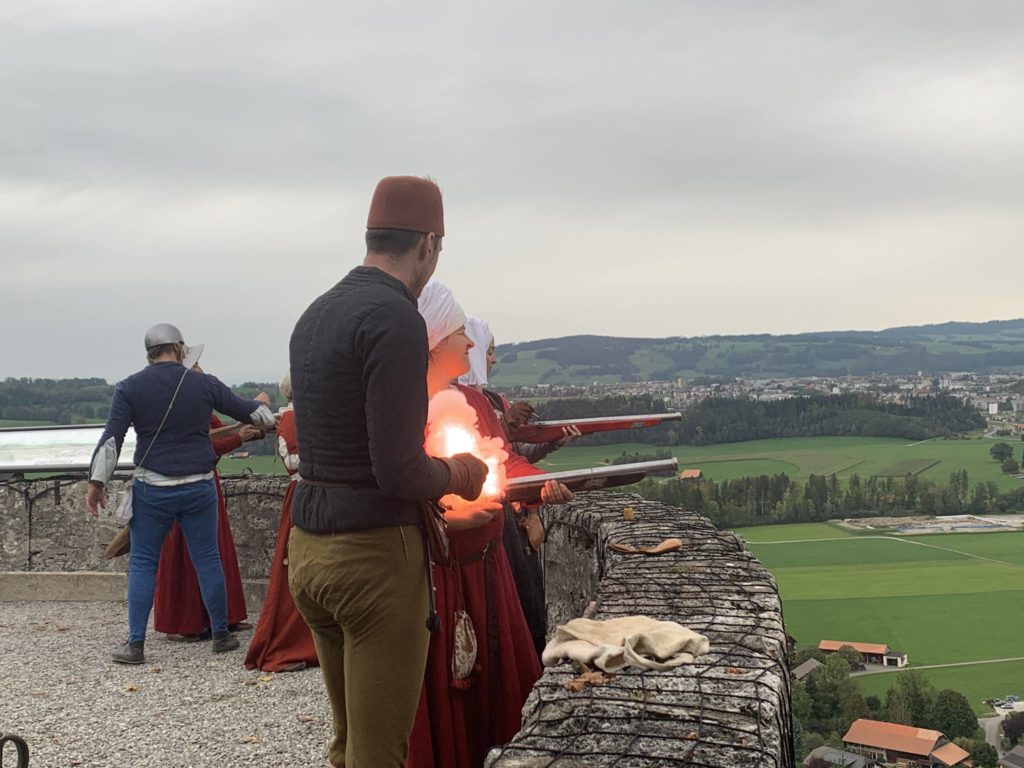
column 169, row 405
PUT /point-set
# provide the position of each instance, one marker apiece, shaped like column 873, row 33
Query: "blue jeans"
column 154, row 510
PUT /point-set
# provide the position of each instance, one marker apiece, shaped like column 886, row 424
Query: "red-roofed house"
column 904, row 745
column 873, row 653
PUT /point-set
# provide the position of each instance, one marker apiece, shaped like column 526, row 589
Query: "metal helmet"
column 163, row 333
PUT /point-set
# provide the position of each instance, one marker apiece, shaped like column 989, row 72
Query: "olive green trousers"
column 364, row 596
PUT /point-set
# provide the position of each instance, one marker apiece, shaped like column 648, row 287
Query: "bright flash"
column 452, row 429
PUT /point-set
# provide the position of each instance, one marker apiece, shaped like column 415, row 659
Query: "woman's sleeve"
column 289, row 459
column 223, row 445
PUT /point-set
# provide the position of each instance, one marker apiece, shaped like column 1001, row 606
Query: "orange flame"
column 452, row 428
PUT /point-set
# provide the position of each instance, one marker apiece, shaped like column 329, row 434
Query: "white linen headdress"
column 441, row 312
column 480, row 334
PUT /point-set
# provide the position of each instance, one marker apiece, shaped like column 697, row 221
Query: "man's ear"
column 426, row 246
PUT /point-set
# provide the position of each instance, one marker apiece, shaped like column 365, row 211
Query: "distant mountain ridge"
column 994, row 346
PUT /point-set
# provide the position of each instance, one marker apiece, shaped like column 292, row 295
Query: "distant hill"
column 979, row 347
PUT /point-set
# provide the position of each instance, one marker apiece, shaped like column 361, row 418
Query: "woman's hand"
column 263, row 397
column 555, row 493
column 518, row 414
column 569, row 435
column 462, row 515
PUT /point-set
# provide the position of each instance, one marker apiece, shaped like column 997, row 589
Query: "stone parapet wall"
column 729, row 708
column 44, row 525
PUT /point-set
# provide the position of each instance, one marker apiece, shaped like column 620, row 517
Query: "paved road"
column 991, row 727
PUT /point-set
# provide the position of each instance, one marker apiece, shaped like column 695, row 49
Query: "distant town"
column 996, row 395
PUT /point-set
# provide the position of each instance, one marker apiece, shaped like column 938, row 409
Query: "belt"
column 323, row 484
column 475, row 557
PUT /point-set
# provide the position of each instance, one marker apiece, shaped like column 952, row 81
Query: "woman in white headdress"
column 524, row 531
column 471, row 701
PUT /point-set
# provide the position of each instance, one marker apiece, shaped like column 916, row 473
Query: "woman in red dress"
column 178, row 605
column 462, row 716
column 282, row 642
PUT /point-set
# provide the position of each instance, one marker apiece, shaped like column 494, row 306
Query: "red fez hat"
column 407, row 202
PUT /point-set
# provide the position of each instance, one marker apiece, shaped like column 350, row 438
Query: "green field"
column 942, row 599
column 259, row 465
column 977, row 682
column 799, row 457
column 796, row 531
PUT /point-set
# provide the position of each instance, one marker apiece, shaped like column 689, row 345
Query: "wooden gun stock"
column 546, row 431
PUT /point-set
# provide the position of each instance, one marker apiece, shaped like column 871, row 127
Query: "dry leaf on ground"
column 588, row 678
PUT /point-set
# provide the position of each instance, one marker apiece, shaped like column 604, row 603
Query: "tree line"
column 730, row 420
column 87, row 401
column 62, row 401
column 768, row 499
column 81, row 401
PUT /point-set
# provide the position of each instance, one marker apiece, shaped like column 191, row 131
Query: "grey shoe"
column 224, row 642
column 130, row 653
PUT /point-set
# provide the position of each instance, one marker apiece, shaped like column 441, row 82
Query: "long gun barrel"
column 546, row 431
column 527, row 489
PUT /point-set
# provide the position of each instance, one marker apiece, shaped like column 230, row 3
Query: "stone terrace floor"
column 185, row 707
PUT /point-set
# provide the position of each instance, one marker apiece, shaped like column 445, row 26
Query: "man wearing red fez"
column 357, row 563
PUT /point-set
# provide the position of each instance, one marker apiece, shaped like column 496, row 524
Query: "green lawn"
column 794, row 532
column 977, row 682
column 800, row 457
column 260, row 465
column 911, row 579
column 854, row 551
column 940, row 603
column 904, row 467
column 931, row 629
column 999, row 546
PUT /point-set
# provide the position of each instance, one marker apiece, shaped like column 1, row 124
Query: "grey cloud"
column 240, row 139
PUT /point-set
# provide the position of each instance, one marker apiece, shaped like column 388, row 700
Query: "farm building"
column 904, row 745
column 840, row 759
column 1013, row 759
column 691, row 474
column 873, row 653
column 803, row 670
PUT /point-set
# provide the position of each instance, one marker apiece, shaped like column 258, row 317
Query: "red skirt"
column 282, row 639
column 178, row 604
column 458, row 722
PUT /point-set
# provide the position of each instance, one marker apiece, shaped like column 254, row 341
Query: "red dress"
column 282, row 641
column 178, row 604
column 459, row 721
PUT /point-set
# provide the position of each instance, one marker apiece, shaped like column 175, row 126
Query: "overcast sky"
column 630, row 168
